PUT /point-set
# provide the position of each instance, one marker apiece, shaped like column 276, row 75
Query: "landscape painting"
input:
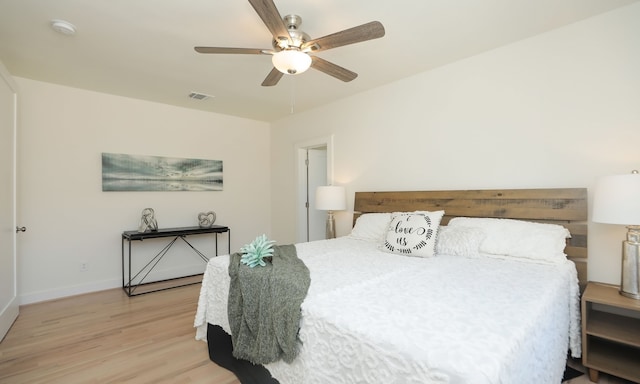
column 122, row 172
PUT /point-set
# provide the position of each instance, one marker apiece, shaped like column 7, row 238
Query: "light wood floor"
column 584, row 379
column 604, row 379
column 107, row 337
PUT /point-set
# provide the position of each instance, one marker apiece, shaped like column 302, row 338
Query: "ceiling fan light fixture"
column 291, row 61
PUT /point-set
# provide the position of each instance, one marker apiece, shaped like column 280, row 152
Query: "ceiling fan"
column 292, row 48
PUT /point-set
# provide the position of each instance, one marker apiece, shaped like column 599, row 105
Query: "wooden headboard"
column 564, row 206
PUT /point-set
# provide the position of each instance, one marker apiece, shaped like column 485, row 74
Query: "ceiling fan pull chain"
column 293, row 93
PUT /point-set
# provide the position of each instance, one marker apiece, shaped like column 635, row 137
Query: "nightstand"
column 610, row 333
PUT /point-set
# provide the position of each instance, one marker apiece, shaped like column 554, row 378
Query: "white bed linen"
column 375, row 317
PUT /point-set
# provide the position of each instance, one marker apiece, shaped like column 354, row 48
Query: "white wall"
column 556, row 110
column 69, row 220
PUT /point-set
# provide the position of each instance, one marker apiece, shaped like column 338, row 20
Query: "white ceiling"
column 144, row 48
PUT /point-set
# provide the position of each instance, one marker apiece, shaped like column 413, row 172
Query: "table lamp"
column 617, row 201
column 331, row 198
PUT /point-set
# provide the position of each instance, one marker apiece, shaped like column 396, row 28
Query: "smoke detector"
column 64, row 27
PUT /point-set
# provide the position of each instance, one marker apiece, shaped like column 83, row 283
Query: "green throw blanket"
column 264, row 306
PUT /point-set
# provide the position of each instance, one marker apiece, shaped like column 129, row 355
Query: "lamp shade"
column 617, row 200
column 291, row 61
column 331, row 198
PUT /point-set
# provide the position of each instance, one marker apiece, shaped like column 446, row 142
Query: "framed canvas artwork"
column 121, row 172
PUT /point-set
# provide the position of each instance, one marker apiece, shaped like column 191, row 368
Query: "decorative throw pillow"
column 520, row 239
column 459, row 241
column 371, row 226
column 413, row 233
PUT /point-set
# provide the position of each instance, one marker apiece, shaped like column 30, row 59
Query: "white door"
column 8, row 262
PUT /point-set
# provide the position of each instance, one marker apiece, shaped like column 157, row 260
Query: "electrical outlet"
column 84, row 266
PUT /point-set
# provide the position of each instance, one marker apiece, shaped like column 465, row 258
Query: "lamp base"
column 331, row 226
column 630, row 285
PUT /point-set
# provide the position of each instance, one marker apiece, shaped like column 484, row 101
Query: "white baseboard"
column 80, row 289
column 59, row 293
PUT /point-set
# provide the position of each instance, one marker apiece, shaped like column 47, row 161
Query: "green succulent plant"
column 254, row 253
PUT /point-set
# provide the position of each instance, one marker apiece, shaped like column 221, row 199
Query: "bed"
column 461, row 315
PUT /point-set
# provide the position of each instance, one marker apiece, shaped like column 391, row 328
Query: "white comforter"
column 375, row 317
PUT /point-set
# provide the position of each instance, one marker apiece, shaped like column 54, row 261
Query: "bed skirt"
column 221, row 353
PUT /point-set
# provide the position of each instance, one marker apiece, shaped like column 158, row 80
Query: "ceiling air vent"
column 199, row 96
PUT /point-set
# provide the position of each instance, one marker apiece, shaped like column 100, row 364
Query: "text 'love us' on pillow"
column 413, row 233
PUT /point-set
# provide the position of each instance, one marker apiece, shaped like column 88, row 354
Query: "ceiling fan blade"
column 272, row 78
column 331, row 69
column 224, row 50
column 270, row 16
column 364, row 32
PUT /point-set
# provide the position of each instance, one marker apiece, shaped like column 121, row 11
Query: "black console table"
column 135, row 280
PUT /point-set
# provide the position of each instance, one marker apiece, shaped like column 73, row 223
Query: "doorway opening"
column 314, row 169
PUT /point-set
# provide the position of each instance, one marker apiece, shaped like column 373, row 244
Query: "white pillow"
column 459, row 241
column 413, row 233
column 371, row 226
column 520, row 239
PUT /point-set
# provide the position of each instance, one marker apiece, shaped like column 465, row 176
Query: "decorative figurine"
column 148, row 222
column 206, row 220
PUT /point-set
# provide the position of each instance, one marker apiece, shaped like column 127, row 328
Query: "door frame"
column 9, row 311
column 301, row 183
